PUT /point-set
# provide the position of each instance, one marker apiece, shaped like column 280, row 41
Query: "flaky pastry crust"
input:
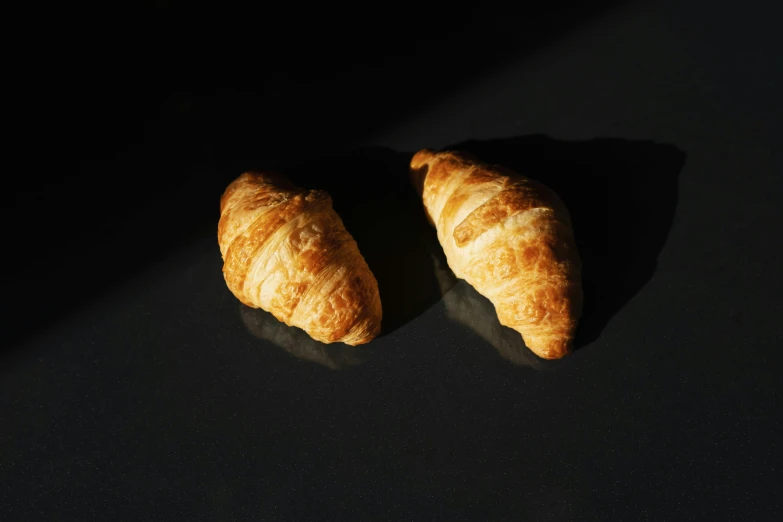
column 509, row 237
column 286, row 250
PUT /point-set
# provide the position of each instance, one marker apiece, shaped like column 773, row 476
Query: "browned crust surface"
column 287, row 251
column 510, row 237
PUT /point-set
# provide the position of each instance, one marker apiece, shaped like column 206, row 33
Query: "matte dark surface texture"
column 134, row 386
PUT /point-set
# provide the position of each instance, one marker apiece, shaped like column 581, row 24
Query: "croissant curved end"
column 370, row 327
column 548, row 348
column 365, row 331
column 419, row 167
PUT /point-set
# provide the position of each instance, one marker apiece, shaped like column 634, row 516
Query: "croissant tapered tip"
column 367, row 329
column 419, row 167
column 548, row 348
column 422, row 157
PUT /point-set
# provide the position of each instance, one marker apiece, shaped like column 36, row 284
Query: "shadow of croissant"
column 337, row 356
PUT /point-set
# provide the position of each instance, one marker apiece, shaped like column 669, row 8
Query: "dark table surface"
column 134, row 386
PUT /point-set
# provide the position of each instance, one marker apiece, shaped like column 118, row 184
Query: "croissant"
column 286, row 250
column 510, row 238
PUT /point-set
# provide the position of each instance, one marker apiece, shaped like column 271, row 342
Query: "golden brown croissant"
column 510, row 237
column 287, row 251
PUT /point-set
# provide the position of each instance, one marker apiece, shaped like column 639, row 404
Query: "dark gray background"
column 135, row 387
